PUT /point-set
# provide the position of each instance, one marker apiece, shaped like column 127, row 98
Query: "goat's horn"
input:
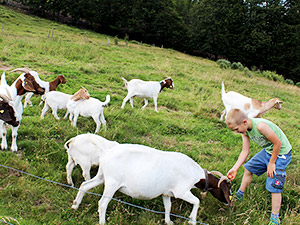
column 222, row 179
column 217, row 173
column 20, row 69
column 4, row 97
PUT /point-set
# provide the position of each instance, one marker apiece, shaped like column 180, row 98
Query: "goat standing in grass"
column 145, row 89
column 87, row 107
column 146, row 173
column 26, row 82
column 251, row 107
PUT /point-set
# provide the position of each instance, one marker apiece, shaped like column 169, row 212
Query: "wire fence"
column 92, row 193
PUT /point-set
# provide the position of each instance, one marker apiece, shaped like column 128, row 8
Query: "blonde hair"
column 235, row 117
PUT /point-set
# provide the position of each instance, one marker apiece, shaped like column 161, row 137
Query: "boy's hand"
column 231, row 174
column 271, row 170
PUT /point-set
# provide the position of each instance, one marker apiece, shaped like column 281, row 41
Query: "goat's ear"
column 28, row 85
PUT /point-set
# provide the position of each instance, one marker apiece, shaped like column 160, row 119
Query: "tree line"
column 259, row 34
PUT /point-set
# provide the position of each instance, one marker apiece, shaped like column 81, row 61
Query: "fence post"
column 52, row 33
column 49, row 33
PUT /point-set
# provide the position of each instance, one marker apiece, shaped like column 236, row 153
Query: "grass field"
column 187, row 122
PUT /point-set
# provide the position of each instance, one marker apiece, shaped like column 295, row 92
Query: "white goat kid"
column 145, row 89
column 55, row 100
column 82, row 151
column 146, row 173
column 91, row 107
column 26, row 82
column 251, row 107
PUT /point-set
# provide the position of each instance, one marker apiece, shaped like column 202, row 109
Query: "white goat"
column 146, row 173
column 91, row 107
column 251, row 107
column 26, row 82
column 55, row 100
column 49, row 86
column 58, row 100
column 145, row 89
column 82, row 151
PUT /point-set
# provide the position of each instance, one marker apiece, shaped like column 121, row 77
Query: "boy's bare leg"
column 276, row 202
column 247, row 178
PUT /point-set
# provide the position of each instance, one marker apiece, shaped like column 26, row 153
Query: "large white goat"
column 145, row 89
column 82, row 151
column 49, row 86
column 26, row 82
column 91, row 107
column 146, row 173
column 251, row 107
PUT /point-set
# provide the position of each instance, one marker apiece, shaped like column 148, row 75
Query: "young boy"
column 273, row 159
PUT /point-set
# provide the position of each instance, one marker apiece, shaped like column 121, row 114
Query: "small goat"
column 57, row 100
column 91, row 107
column 251, row 107
column 146, row 173
column 26, row 82
column 49, row 86
column 82, row 151
column 145, row 89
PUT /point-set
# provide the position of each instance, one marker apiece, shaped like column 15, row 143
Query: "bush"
column 247, row 72
column 223, row 63
column 237, row 66
column 272, row 76
column 289, row 81
column 298, row 84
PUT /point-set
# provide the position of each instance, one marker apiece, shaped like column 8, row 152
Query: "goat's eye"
column 2, row 111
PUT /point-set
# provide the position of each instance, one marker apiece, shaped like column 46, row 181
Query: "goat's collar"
column 206, row 181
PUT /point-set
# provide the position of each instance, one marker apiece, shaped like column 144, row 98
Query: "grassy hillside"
column 187, row 122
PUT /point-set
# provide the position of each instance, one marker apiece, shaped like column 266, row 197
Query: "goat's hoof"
column 74, row 206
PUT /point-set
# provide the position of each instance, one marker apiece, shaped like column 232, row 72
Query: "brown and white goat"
column 26, row 82
column 146, row 173
column 251, row 107
column 145, row 89
column 49, row 86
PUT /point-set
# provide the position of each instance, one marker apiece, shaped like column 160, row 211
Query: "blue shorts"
column 258, row 165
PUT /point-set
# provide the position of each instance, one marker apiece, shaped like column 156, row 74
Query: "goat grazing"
column 251, row 107
column 58, row 100
column 146, row 173
column 91, row 107
column 145, row 89
column 82, row 151
column 49, row 86
column 26, row 82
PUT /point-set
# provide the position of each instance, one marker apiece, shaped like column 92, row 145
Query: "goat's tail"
column 3, row 79
column 67, row 144
column 223, row 89
column 107, row 100
column 125, row 81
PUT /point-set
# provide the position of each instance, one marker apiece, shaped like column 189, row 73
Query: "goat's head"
column 82, row 93
column 220, row 188
column 27, row 82
column 7, row 111
column 61, row 79
column 277, row 103
column 167, row 83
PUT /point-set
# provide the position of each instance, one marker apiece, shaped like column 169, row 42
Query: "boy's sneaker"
column 274, row 221
column 239, row 196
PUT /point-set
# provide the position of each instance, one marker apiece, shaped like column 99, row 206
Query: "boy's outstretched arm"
column 272, row 137
column 242, row 157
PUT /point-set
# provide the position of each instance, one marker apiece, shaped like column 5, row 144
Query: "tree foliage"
column 264, row 34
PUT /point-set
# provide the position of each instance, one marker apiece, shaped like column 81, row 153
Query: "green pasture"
column 187, row 122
